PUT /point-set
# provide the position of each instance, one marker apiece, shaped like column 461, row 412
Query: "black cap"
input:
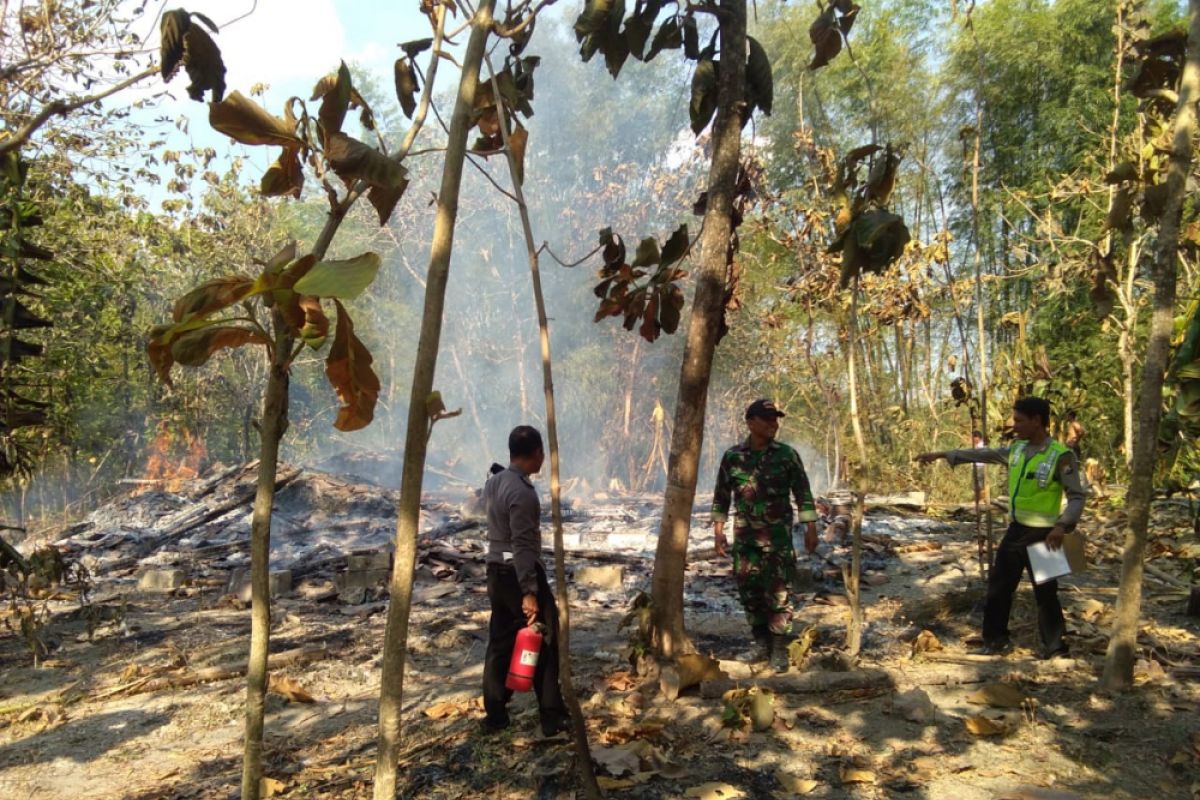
column 763, row 408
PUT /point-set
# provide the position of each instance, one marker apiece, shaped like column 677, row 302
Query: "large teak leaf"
column 348, row 368
column 341, row 279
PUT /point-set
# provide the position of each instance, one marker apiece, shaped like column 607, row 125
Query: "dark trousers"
column 507, row 619
column 1011, row 560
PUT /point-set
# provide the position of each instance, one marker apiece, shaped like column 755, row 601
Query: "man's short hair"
column 976, row 434
column 1034, row 407
column 524, row 441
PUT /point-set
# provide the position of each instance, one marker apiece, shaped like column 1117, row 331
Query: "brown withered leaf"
column 315, row 329
column 348, row 368
column 621, row 681
column 826, row 37
column 352, row 160
column 158, row 349
column 406, row 86
column 247, row 122
column 212, row 296
column 334, row 103
column 289, row 688
column 171, row 29
column 202, row 59
column 517, row 140
column 384, row 199
column 285, row 176
column 194, row 348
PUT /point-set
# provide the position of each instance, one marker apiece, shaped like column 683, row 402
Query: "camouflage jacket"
column 761, row 484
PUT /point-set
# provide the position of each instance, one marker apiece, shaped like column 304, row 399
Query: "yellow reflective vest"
column 1034, row 490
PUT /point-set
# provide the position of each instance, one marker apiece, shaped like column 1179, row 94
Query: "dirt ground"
column 82, row 724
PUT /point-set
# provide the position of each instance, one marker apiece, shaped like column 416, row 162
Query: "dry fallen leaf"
column 271, row 787
column 621, row 681
column 985, row 726
column 998, row 695
column 850, row 774
column 714, row 791
column 447, row 708
column 618, row 761
column 289, row 688
column 793, row 784
column 926, row 642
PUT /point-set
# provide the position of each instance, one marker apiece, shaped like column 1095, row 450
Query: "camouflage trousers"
column 764, row 565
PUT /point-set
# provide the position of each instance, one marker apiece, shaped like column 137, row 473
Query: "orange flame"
column 174, row 458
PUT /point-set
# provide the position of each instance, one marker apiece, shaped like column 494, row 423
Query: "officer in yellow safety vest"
column 1040, row 472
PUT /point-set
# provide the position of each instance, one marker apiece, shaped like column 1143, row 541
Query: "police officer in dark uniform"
column 1041, row 471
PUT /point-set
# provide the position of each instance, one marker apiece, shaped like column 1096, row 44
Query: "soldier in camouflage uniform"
column 761, row 476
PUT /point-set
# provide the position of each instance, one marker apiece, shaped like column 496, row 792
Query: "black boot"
column 779, row 652
column 762, row 645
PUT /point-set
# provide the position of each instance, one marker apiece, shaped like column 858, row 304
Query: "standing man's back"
column 517, row 587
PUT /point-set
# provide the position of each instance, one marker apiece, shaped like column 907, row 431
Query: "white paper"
column 1047, row 564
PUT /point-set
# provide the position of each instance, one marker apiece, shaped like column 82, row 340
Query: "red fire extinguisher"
column 525, row 658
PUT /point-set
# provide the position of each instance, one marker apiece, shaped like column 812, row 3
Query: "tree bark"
column 583, row 755
column 274, row 423
column 852, row 377
column 1118, row 664
column 687, row 435
column 417, row 438
column 989, row 549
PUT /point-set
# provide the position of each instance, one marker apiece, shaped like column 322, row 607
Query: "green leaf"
column 704, row 95
column 344, row 280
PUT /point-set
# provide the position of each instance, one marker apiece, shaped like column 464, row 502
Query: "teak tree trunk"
column 416, row 440
column 274, row 423
column 687, row 434
column 1122, row 646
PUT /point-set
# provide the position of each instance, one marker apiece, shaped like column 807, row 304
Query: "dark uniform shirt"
column 513, row 518
column 760, row 482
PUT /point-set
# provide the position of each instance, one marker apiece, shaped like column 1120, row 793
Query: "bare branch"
column 63, row 107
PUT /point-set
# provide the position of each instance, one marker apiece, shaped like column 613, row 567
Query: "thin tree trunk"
column 417, row 438
column 852, row 576
column 1118, row 664
column 583, row 756
column 851, row 376
column 979, row 317
column 687, row 434
column 274, row 423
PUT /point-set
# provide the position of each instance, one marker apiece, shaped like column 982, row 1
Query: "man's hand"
column 929, row 458
column 529, row 607
column 810, row 537
column 1054, row 539
column 720, row 543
